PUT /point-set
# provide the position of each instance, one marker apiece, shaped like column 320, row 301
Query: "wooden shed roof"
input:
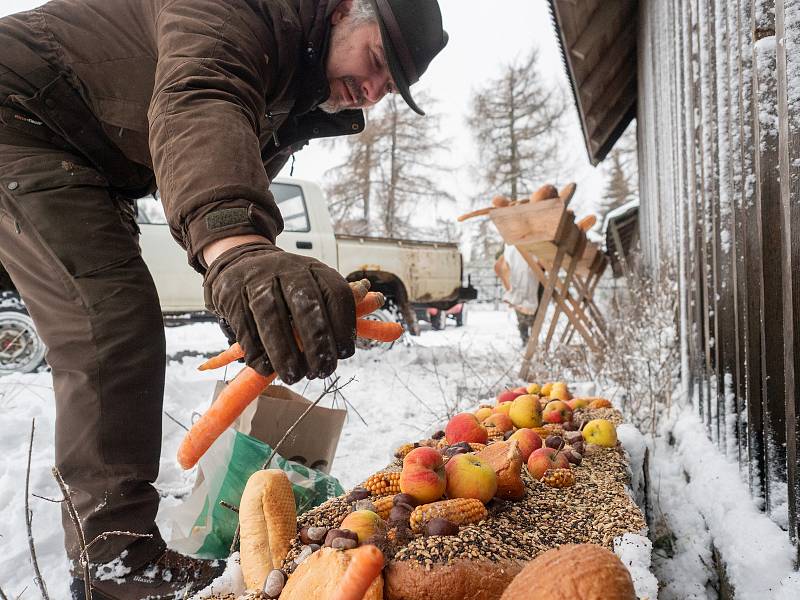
column 598, row 45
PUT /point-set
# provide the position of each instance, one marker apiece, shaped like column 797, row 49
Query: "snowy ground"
column 401, row 394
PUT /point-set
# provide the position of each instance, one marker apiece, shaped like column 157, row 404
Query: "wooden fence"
column 719, row 137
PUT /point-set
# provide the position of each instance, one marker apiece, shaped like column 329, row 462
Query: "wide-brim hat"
column 412, row 35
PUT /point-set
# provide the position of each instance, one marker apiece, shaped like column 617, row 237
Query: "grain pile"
column 596, row 509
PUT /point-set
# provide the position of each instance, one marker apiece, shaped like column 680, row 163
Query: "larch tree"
column 389, row 172
column 350, row 184
column 516, row 120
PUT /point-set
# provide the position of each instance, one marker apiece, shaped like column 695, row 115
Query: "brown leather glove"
column 263, row 293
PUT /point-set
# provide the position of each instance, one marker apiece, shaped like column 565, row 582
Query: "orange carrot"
column 380, row 331
column 225, row 357
column 230, row 403
column 366, row 564
column 371, row 302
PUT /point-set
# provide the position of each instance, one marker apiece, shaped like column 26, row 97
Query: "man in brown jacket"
column 100, row 102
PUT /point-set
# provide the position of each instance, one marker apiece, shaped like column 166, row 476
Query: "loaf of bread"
column 573, row 572
column 319, row 576
column 546, row 192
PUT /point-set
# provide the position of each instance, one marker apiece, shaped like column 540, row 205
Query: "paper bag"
column 313, row 443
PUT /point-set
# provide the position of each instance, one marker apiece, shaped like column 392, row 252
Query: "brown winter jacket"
column 206, row 97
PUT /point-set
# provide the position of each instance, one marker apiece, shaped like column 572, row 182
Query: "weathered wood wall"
column 719, row 142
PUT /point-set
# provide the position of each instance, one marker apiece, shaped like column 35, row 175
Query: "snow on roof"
column 620, row 212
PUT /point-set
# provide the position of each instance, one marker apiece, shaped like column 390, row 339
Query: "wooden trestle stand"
column 564, row 261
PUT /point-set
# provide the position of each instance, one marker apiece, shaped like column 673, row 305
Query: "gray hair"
column 362, row 12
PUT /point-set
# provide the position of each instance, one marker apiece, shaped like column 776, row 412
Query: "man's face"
column 356, row 66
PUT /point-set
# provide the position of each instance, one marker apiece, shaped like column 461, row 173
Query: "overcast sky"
column 483, row 37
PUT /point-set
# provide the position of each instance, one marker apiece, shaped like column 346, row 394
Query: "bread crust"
column 319, row 576
column 462, row 580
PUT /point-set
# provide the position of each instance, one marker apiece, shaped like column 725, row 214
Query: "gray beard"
column 329, row 107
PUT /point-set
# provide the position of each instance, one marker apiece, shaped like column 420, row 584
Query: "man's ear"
column 341, row 11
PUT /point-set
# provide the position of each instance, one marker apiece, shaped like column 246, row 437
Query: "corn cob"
column 495, row 434
column 404, row 449
column 383, row 506
column 460, row 511
column 559, row 478
column 384, row 483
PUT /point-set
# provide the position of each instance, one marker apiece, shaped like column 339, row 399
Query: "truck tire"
column 382, row 314
column 439, row 320
column 21, row 348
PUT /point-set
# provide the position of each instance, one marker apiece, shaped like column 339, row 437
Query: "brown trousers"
column 70, row 246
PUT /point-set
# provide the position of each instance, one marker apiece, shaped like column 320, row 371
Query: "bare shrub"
column 640, row 360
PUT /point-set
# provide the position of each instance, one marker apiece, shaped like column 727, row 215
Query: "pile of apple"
column 524, row 415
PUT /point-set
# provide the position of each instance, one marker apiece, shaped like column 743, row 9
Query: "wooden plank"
column 787, row 28
column 752, row 258
column 604, row 23
column 726, row 320
column 560, row 301
column 547, row 296
column 738, row 273
column 768, row 203
column 708, row 64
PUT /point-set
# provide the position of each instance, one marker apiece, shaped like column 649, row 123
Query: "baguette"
column 268, row 523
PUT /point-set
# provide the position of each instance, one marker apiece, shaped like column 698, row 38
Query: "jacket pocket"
column 67, row 205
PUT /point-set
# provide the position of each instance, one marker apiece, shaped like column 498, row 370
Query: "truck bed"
column 431, row 270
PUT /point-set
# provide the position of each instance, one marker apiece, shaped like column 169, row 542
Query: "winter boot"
column 172, row 576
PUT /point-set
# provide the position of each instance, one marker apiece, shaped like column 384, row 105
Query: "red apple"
column 557, row 412
column 527, row 441
column 508, row 395
column 543, row 459
column 465, row 427
column 500, row 420
column 423, row 475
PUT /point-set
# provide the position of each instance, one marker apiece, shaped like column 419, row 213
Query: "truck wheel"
column 382, row 314
column 461, row 316
column 439, row 320
column 21, row 348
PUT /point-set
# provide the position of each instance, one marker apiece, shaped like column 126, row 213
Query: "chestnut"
column 439, row 526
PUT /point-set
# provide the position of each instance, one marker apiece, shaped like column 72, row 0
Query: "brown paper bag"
column 313, row 443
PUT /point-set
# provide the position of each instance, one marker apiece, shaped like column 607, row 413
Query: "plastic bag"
column 202, row 526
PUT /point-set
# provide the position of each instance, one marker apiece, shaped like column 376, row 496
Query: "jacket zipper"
column 274, row 129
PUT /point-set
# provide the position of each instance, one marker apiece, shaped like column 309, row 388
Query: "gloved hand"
column 263, row 293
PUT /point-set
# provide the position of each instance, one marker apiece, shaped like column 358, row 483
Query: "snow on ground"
column 704, row 500
column 402, row 394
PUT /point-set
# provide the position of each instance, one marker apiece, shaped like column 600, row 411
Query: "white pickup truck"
column 418, row 278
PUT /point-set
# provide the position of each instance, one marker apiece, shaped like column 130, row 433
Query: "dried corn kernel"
column 559, row 478
column 461, row 511
column 404, row 449
column 384, row 483
column 383, row 506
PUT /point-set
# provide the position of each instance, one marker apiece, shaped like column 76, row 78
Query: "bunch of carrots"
column 249, row 383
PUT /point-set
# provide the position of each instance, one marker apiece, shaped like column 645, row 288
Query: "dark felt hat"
column 412, row 34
